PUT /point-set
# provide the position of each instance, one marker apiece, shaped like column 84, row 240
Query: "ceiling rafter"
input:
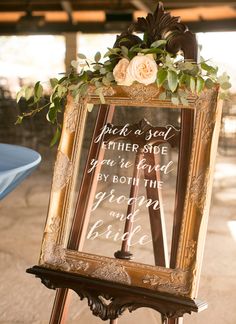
column 144, row 5
column 67, row 7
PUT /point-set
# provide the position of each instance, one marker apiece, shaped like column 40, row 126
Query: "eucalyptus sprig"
column 176, row 78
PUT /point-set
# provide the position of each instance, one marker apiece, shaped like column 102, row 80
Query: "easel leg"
column 157, row 220
column 115, row 321
column 124, row 252
column 60, row 307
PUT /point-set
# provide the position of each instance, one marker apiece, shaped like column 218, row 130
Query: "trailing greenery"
column 176, row 78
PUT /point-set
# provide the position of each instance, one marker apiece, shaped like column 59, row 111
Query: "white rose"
column 120, row 73
column 143, row 68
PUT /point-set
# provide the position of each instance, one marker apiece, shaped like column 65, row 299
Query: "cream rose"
column 143, row 68
column 120, row 73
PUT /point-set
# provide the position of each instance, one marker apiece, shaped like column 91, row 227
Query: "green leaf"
column 52, row 115
column 56, row 137
column 124, row 51
column 210, row 69
column 107, row 63
column 174, row 100
column 102, row 99
column 81, row 56
column 192, row 84
column 110, row 76
column 114, row 50
column 56, row 103
column 185, row 66
column 29, row 93
column 200, row 84
column 162, row 96
column 103, row 70
column 209, row 83
column 226, row 85
column 184, row 101
column 19, row 120
column 182, row 79
column 105, row 81
column 62, row 80
column 97, row 57
column 53, row 82
column 18, row 96
column 99, row 92
column 96, row 67
column 195, row 70
column 74, row 64
column 38, row 90
column 107, row 54
column 98, row 84
column 73, row 86
column 159, row 43
column 223, row 78
column 224, row 95
column 20, row 93
column 151, row 51
column 145, row 37
column 182, row 93
column 161, row 76
column 168, row 61
column 90, row 107
column 124, row 39
column 172, row 78
column 61, row 91
column 83, row 89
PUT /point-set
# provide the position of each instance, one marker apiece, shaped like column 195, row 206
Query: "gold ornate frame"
column 183, row 280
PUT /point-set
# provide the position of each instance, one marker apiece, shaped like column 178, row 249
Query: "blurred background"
column 38, row 40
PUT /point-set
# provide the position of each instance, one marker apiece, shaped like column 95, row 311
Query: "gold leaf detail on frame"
column 62, row 171
column 54, row 255
column 205, row 104
column 198, row 190
column 141, row 93
column 108, row 91
column 55, row 225
column 190, row 253
column 190, row 249
column 155, row 280
column 112, row 272
column 70, row 116
column 175, row 281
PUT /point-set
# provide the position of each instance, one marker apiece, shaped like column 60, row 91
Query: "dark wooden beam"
column 66, row 5
column 212, row 25
column 145, row 5
column 95, row 27
column 186, row 4
column 14, row 6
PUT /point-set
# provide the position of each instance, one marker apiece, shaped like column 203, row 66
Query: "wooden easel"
column 86, row 196
column 179, row 38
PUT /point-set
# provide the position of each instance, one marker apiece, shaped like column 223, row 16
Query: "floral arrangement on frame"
column 147, row 60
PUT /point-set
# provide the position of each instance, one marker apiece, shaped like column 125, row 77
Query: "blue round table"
column 16, row 163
